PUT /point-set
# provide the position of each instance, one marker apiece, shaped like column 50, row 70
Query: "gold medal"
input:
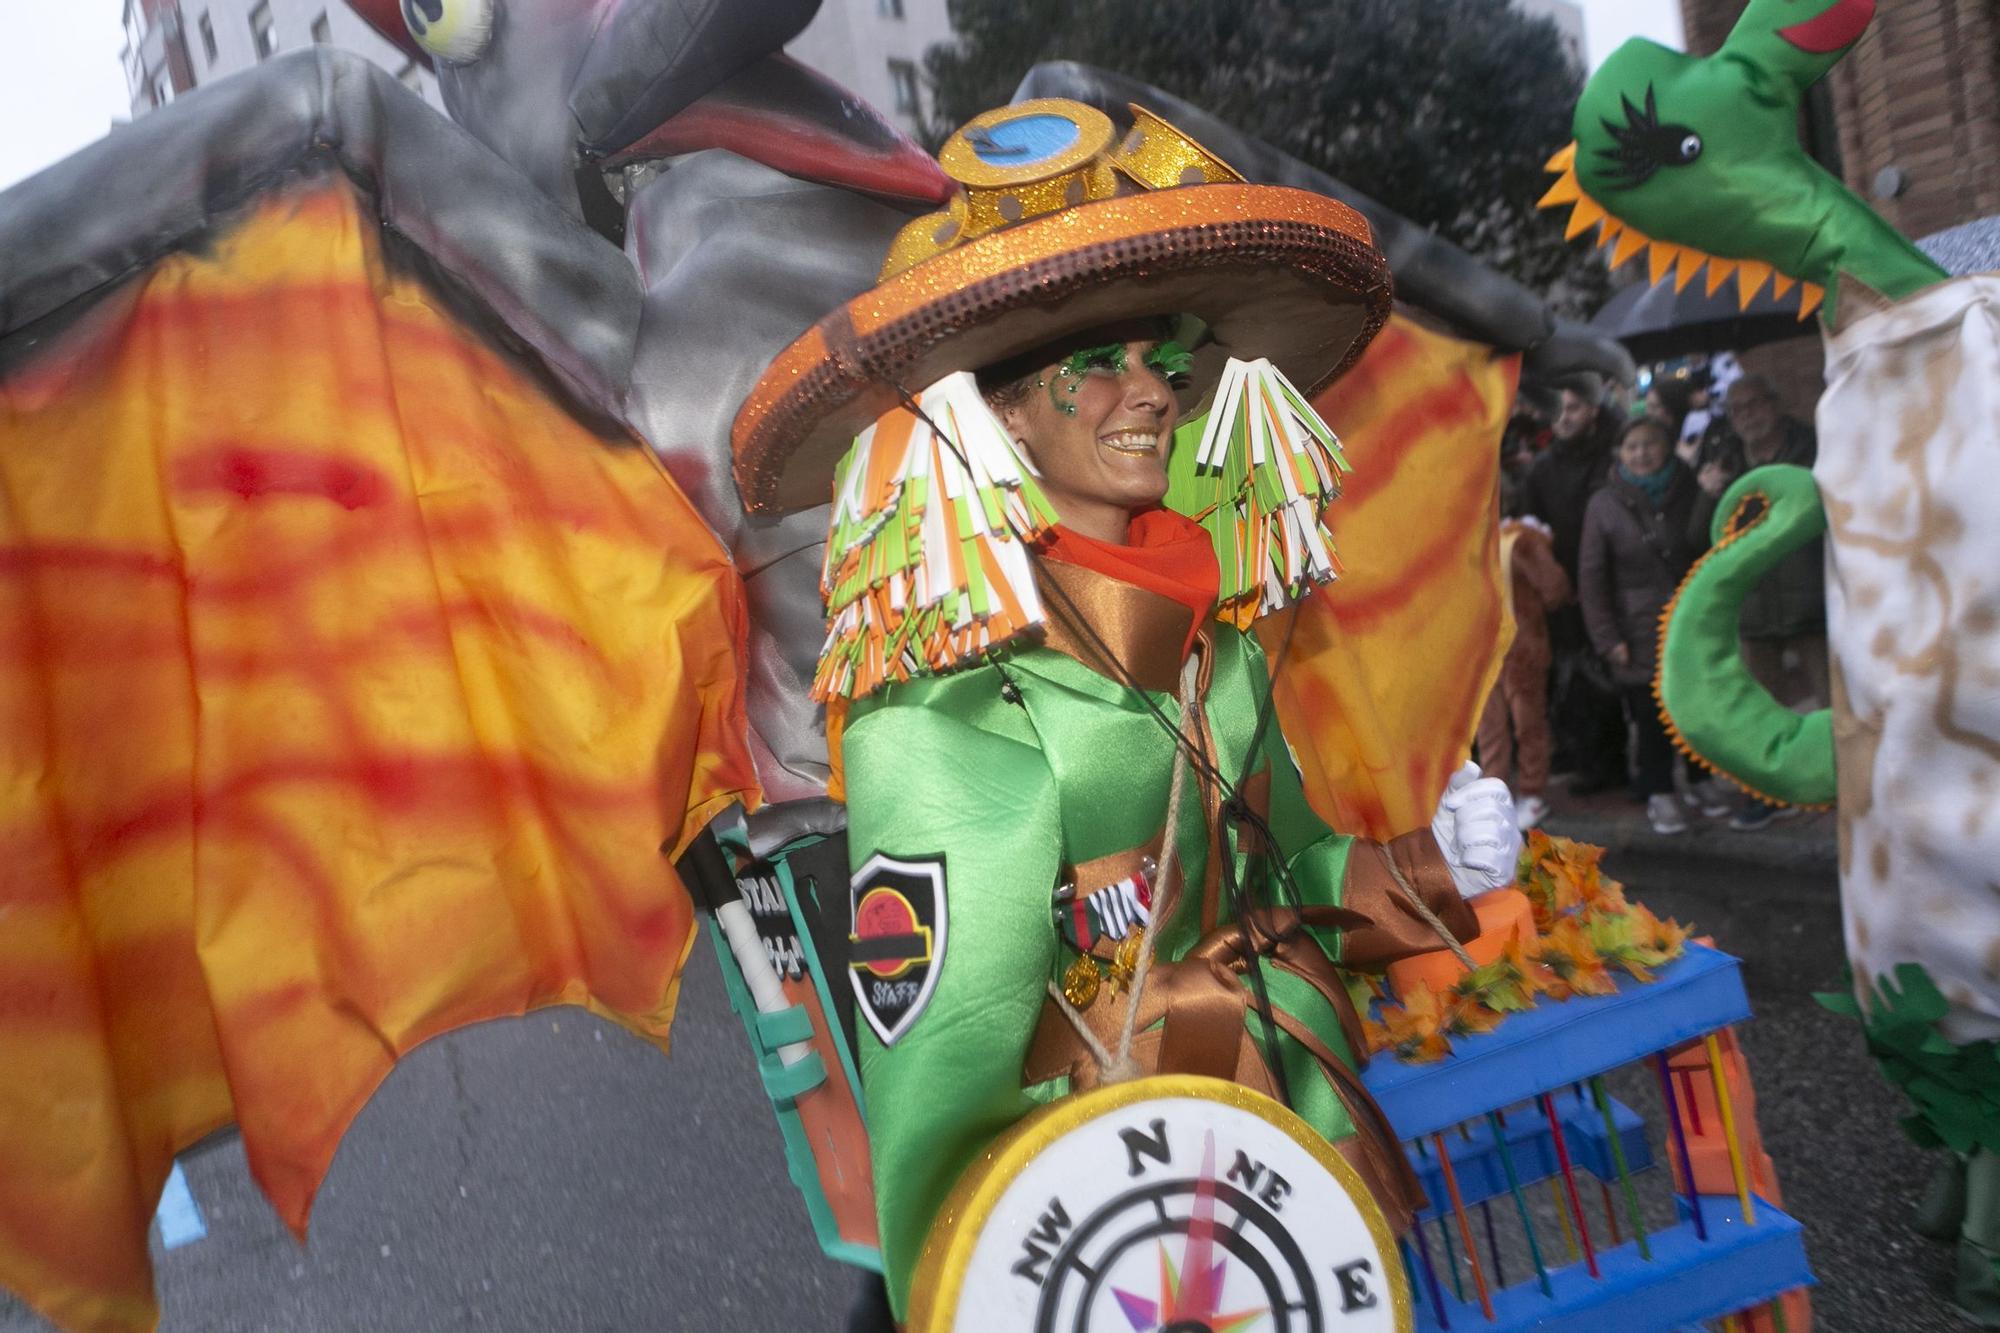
column 1127, row 961
column 1081, row 981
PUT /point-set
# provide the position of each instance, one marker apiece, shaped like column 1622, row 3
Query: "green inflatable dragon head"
column 1697, row 161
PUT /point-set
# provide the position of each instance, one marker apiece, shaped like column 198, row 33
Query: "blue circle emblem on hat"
column 1025, row 141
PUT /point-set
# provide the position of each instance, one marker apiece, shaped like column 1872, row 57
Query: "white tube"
column 766, row 992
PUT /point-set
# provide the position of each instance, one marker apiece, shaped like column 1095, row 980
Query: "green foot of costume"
column 1979, row 1241
column 1941, row 1210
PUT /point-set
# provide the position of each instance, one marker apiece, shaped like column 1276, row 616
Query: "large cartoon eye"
column 1690, row 148
column 454, row 31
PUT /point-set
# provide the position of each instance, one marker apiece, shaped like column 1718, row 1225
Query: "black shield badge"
column 897, row 948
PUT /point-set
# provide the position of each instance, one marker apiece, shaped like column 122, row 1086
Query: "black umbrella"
column 1657, row 323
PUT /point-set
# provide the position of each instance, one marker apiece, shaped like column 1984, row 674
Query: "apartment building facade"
column 1568, row 18
column 175, row 46
column 874, row 47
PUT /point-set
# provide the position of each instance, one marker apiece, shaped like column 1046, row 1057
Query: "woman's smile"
column 1140, row 442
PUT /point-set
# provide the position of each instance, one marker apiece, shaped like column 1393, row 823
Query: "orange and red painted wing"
column 1390, row 665
column 349, row 690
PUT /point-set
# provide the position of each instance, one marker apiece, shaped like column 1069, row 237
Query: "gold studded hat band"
column 1062, row 225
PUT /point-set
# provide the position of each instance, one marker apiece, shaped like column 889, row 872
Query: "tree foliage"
column 1445, row 110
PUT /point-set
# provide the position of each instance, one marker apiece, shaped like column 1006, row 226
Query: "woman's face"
column 1097, row 425
column 1643, row 451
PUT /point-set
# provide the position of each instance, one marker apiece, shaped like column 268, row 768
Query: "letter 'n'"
column 1153, row 1145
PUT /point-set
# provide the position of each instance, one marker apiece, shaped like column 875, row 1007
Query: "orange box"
column 1503, row 914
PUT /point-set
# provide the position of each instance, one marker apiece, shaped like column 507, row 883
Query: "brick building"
column 1910, row 120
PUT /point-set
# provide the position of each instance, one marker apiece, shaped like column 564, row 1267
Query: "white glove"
column 1474, row 827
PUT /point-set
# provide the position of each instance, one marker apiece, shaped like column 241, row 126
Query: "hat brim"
column 1274, row 272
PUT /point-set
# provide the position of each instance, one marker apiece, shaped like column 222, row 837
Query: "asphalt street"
column 547, row 1173
column 552, row 1173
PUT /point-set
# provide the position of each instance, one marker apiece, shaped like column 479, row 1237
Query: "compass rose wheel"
column 1169, row 1205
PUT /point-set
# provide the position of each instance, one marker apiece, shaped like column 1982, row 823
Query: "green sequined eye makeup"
column 1172, row 360
column 1070, row 372
column 1110, row 356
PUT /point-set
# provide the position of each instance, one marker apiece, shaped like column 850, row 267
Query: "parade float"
column 393, row 651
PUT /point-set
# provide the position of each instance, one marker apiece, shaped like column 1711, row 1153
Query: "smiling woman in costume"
column 1080, row 846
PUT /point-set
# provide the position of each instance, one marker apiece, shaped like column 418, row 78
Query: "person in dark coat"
column 1564, row 476
column 1589, row 731
column 1633, row 553
column 1783, row 623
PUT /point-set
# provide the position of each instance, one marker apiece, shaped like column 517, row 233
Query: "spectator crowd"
column 1603, row 512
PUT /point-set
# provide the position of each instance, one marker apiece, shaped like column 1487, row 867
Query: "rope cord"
column 1164, row 902
column 1423, row 910
column 1254, row 955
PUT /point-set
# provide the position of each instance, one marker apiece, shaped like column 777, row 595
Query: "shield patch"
column 897, row 948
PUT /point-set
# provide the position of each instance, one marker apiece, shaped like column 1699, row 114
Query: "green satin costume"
column 1013, row 771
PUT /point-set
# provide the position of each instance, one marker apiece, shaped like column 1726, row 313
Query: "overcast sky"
column 61, row 87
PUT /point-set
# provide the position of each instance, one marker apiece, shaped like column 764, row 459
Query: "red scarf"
column 1164, row 553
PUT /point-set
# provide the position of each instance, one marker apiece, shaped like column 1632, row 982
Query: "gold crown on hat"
column 1042, row 156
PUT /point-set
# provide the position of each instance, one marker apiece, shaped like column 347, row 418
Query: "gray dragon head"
column 573, row 91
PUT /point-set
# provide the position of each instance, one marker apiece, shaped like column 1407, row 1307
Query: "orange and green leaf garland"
column 1586, row 929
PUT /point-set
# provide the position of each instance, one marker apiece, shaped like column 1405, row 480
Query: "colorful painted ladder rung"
column 1538, row 1075
column 1685, row 1282
column 1476, row 1160
column 1554, row 1045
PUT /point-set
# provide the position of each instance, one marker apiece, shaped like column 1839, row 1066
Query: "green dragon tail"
column 1715, row 710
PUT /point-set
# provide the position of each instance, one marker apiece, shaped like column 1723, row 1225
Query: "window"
column 889, row 9
column 903, row 78
column 207, row 38
column 160, row 89
column 263, row 33
column 322, row 30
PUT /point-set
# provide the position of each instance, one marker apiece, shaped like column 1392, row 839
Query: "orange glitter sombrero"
column 1061, row 226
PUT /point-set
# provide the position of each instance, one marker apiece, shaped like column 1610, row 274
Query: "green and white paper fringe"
column 1257, row 473
column 927, row 562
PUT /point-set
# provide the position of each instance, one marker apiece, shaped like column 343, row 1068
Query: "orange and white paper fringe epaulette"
column 927, row 561
column 1262, row 470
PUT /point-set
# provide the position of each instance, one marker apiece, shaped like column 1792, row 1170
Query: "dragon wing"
column 1391, row 664
column 353, row 666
